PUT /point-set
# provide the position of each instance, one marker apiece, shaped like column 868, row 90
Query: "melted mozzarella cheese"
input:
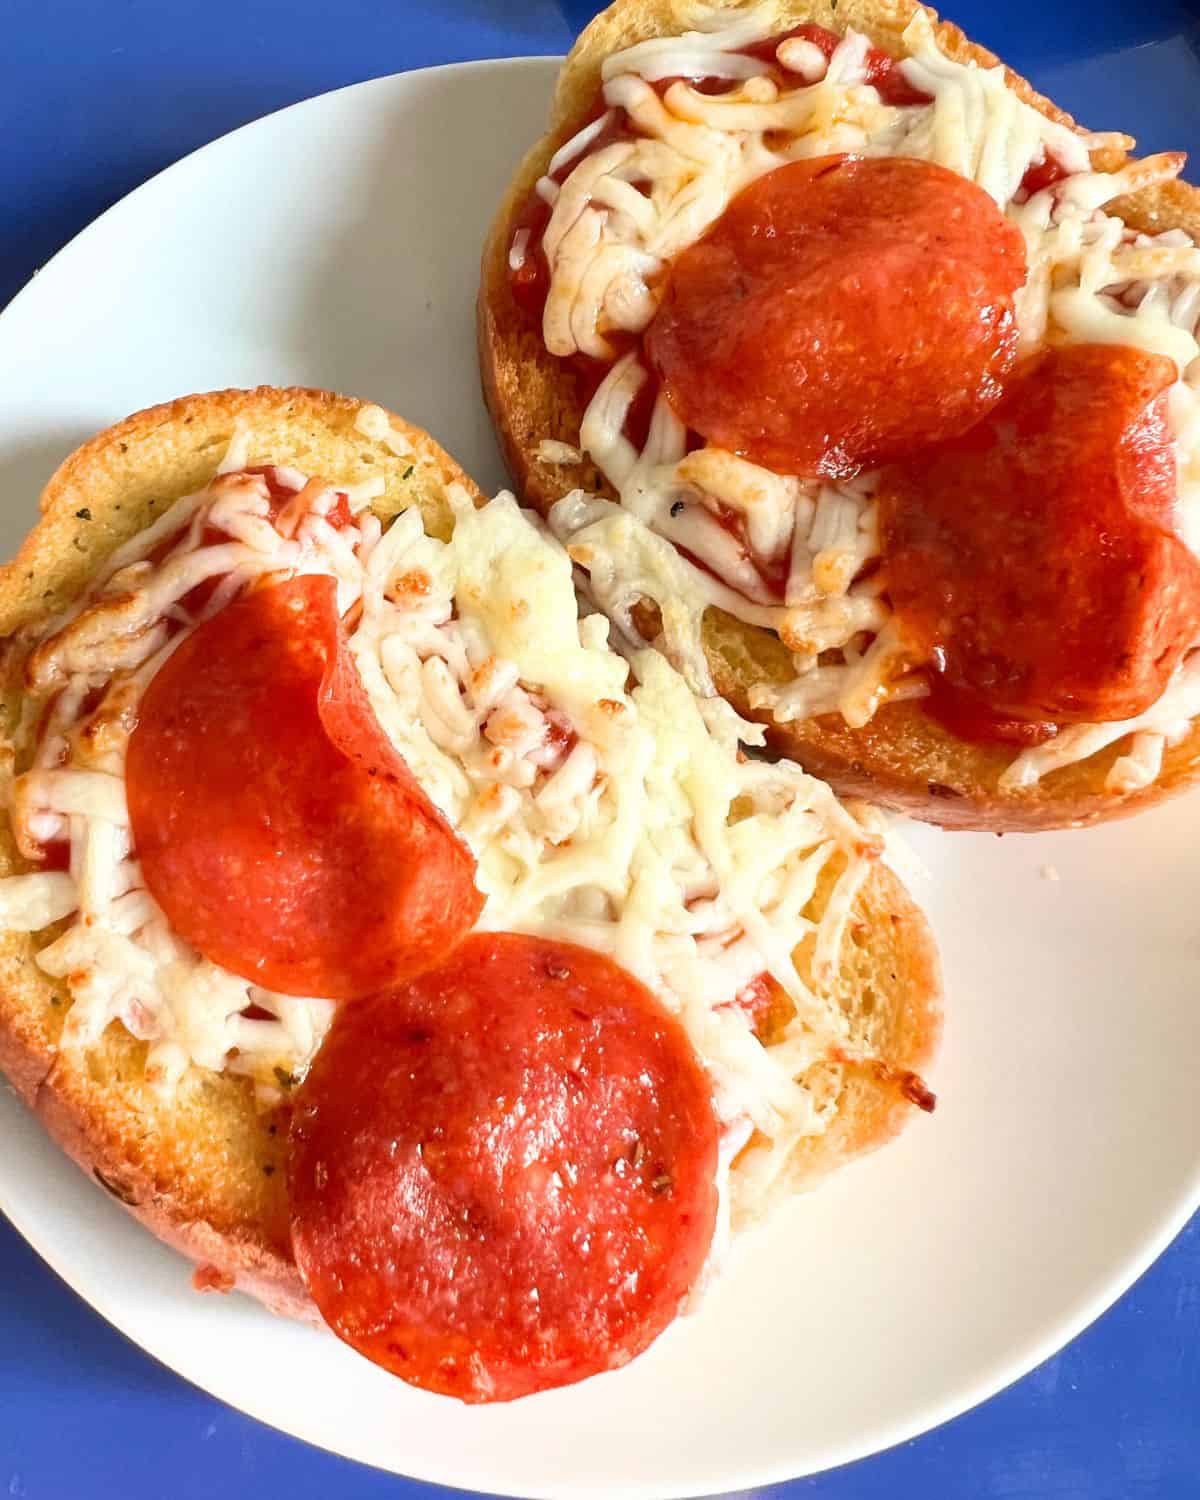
column 605, row 803
column 1164, row 723
column 626, row 210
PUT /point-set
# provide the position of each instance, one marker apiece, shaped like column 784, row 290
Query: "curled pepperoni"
column 502, row 1175
column 842, row 312
column 276, row 825
column 1034, row 560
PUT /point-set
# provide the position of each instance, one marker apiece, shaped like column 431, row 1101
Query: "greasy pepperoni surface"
column 276, row 825
column 841, row 313
column 1035, row 560
column 968, row 717
column 502, row 1175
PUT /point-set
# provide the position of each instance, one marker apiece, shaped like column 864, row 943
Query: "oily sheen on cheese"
column 621, row 211
column 606, row 804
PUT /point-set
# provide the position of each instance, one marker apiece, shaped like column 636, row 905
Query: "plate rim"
column 747, row 1478
column 748, row 1474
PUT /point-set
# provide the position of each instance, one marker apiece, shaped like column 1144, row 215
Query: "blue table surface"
column 95, row 98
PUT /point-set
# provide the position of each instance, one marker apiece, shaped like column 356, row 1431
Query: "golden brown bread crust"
column 902, row 758
column 178, row 445
column 206, row 1171
column 889, row 985
column 905, row 759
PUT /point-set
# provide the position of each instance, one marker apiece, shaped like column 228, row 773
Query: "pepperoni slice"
column 276, row 825
column 968, row 717
column 842, row 312
column 1035, row 559
column 502, row 1175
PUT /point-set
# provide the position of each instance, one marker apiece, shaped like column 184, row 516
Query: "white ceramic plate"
column 336, row 244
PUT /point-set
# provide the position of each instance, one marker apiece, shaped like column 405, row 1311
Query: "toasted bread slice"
column 902, row 758
column 205, row 1170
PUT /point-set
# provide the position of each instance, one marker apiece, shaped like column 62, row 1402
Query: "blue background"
column 94, row 98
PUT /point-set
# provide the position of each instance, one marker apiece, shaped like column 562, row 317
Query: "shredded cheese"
column 1164, row 723
column 551, row 451
column 605, row 803
column 625, row 209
